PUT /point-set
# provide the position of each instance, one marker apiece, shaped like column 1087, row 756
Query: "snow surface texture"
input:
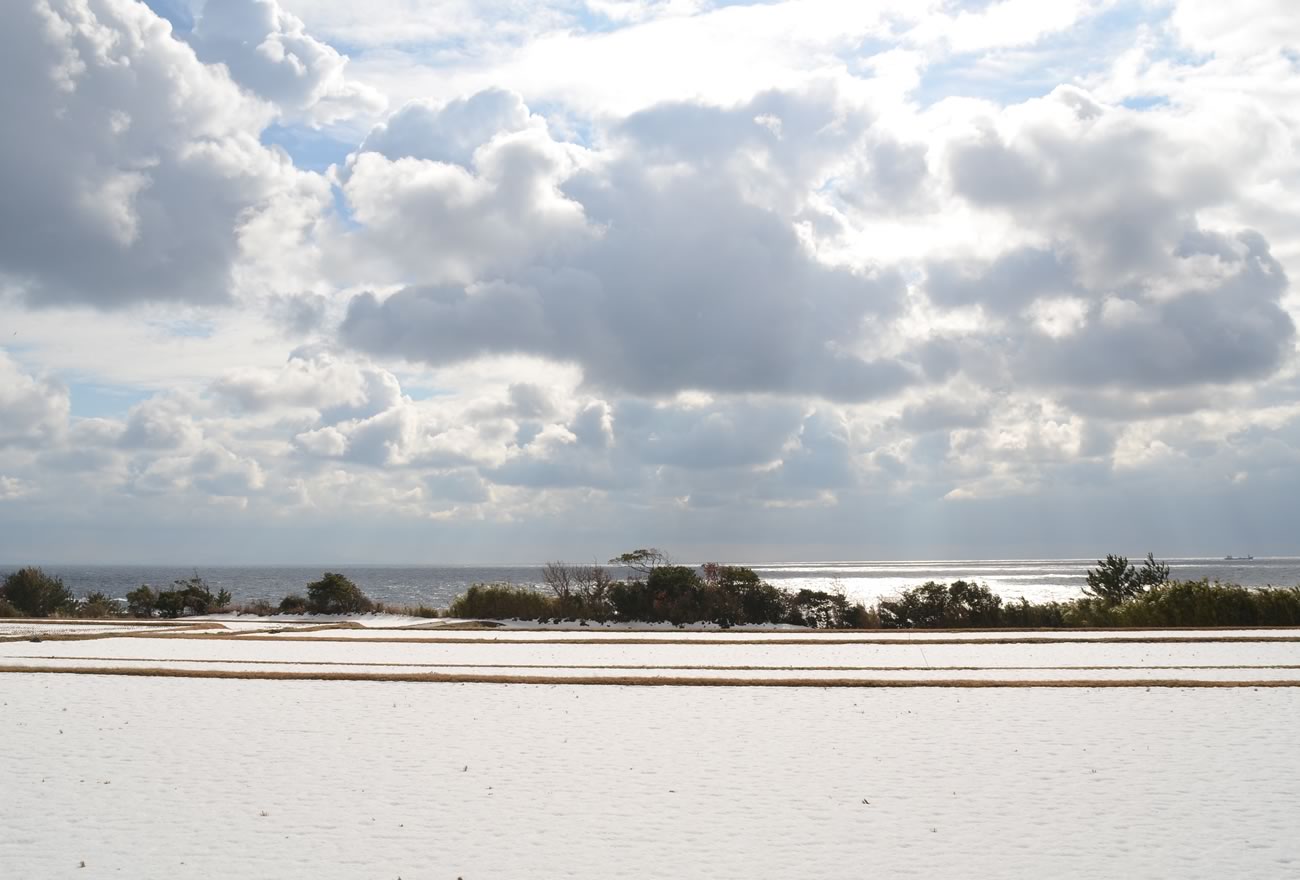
column 740, row 634
column 138, row 775
column 172, row 778
column 1268, row 656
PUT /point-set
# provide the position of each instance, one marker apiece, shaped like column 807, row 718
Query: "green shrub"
column 736, row 595
column 632, row 601
column 1149, row 602
column 336, row 594
column 189, row 596
column 1201, row 603
column 142, row 601
column 35, row 594
column 1278, row 606
column 1033, row 615
column 259, row 607
column 959, row 605
column 503, row 602
column 677, row 595
column 1114, row 580
column 725, row 595
column 293, row 604
column 97, row 604
column 7, row 610
column 822, row 610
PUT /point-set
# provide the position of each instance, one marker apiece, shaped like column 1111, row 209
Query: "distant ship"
column 1237, row 558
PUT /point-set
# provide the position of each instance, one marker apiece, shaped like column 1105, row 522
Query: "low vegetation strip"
column 1117, row 595
column 748, row 640
column 637, row 681
column 97, row 622
column 202, row 632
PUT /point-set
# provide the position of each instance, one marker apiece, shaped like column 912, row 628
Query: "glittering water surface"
column 1035, row 579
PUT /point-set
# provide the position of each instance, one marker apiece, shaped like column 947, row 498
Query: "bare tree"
column 587, row 586
column 559, row 577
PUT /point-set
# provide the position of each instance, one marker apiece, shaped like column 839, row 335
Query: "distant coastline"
column 1035, row 579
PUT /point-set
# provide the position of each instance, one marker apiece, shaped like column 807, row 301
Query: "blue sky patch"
column 1011, row 76
column 1146, row 102
column 91, row 400
column 175, row 11
column 311, row 149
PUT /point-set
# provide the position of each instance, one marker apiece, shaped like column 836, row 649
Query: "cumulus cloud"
column 317, row 378
column 269, row 52
column 299, row 313
column 1122, row 285
column 1117, row 189
column 690, row 284
column 453, row 132
column 469, row 190
column 129, row 167
column 212, row 472
column 33, row 411
column 160, row 423
column 1232, row 331
column 782, row 286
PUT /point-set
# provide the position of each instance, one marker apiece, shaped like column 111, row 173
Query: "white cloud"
column 269, row 52
column 127, row 152
column 738, row 304
column 33, row 411
column 644, row 269
column 437, row 221
column 1251, row 27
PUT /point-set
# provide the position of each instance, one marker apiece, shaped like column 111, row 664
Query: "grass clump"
column 258, row 607
column 422, row 611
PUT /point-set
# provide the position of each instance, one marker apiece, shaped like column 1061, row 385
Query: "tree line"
column 1117, row 594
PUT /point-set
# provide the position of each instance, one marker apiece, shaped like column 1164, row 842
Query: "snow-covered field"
column 30, row 628
column 145, row 776
column 425, row 630
column 745, row 656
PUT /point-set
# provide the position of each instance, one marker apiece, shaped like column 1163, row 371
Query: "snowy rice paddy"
column 1137, row 761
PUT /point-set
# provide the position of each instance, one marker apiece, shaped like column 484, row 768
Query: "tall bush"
column 34, row 593
column 1115, row 580
column 958, row 605
column 336, row 594
column 188, row 596
column 503, row 602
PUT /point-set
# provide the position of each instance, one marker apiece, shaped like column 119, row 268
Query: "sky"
column 441, row 281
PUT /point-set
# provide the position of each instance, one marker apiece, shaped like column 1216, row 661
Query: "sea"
column 436, row 585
